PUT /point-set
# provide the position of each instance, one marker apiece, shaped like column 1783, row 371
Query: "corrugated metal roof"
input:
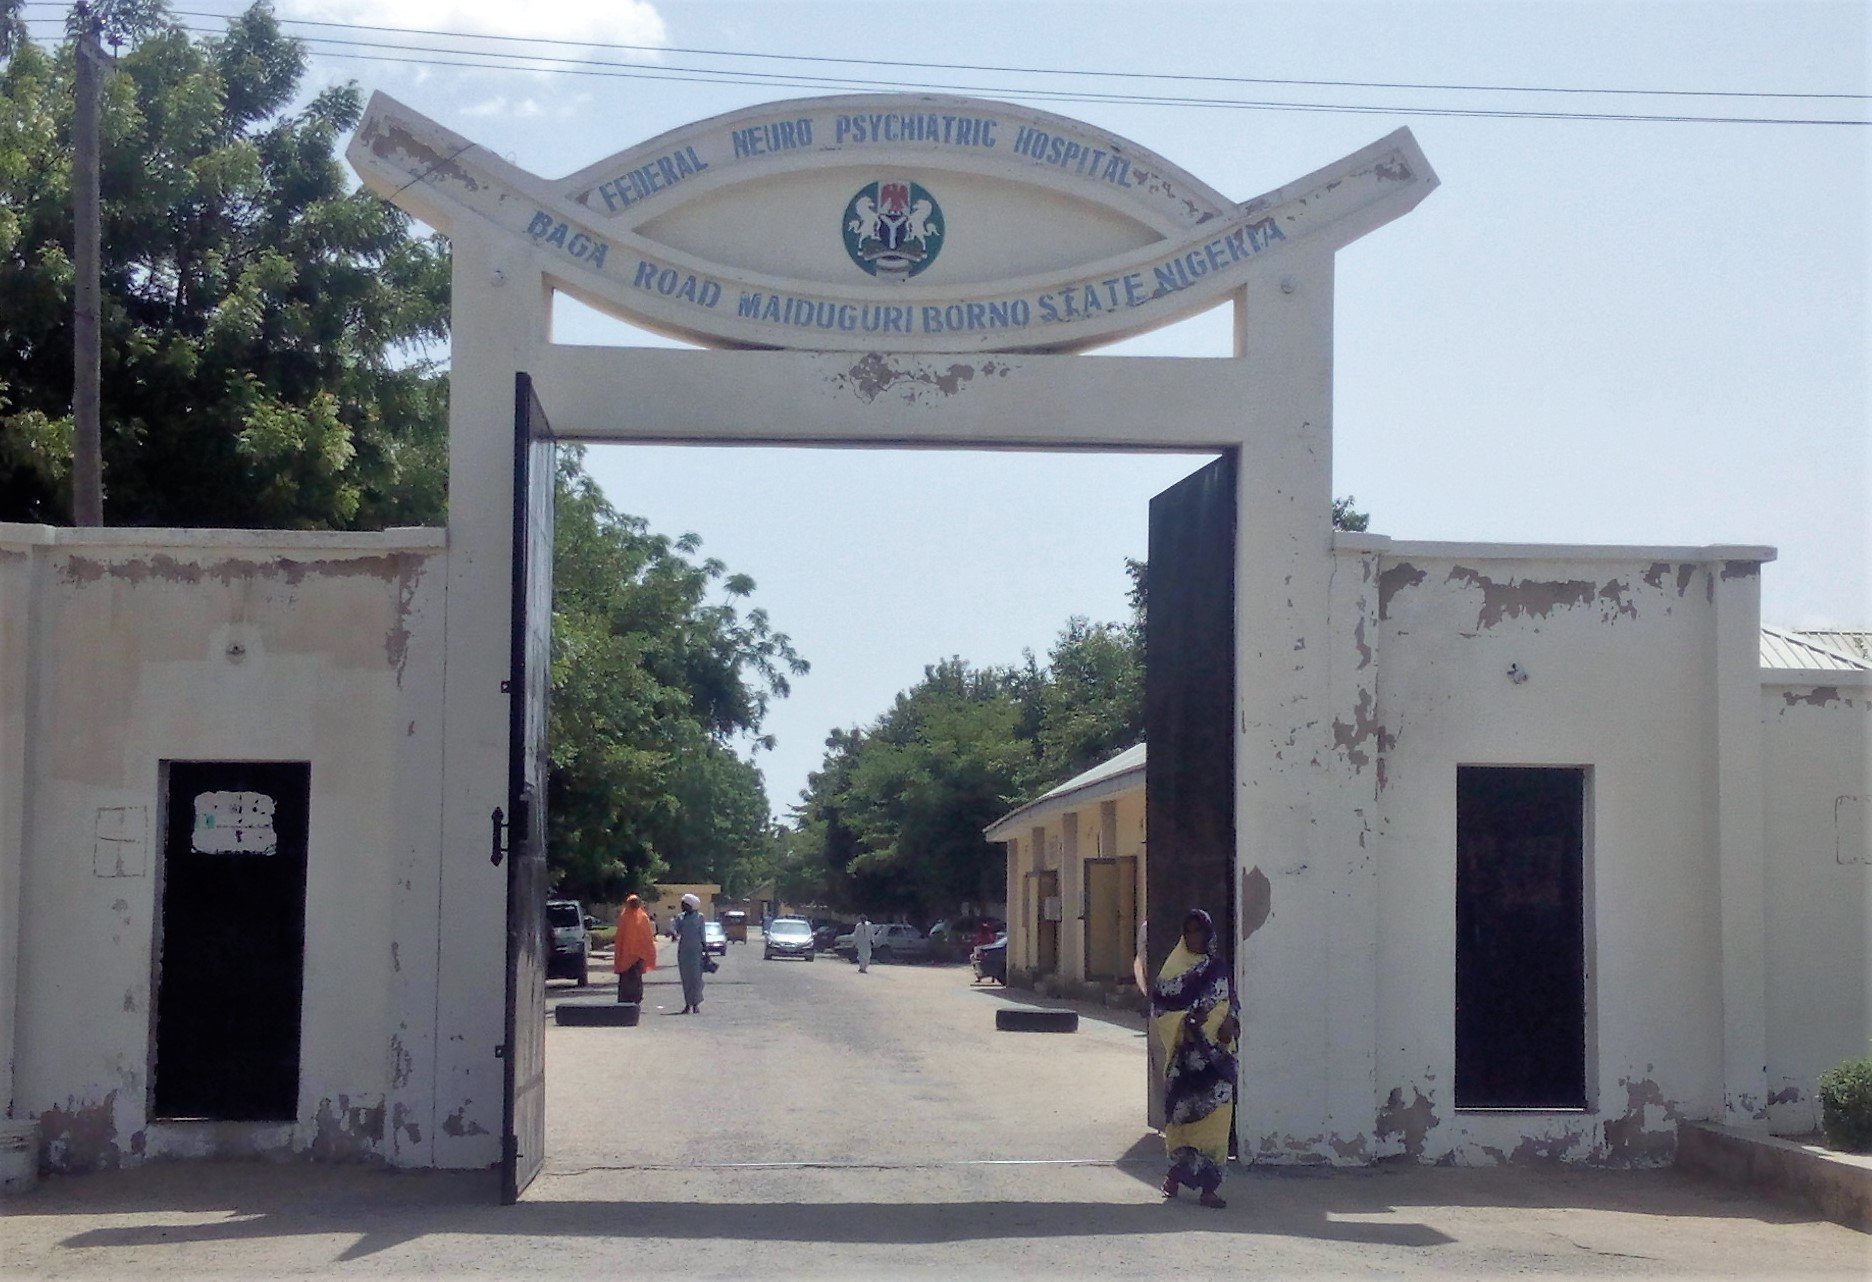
column 1855, row 641
column 1812, row 651
column 1108, row 776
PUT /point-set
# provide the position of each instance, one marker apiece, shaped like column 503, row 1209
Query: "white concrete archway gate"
column 916, row 270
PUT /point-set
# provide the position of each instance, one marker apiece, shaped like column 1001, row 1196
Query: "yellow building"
column 1075, row 878
column 668, row 901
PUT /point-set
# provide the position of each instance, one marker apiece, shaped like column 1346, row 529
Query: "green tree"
column 657, row 673
column 267, row 338
column 898, row 811
column 265, row 327
column 1091, row 697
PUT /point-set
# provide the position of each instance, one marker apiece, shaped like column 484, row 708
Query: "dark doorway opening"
column 231, row 941
column 1520, row 937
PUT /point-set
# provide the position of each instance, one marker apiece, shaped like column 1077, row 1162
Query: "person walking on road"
column 1197, row 1021
column 634, row 952
column 690, row 952
column 861, row 943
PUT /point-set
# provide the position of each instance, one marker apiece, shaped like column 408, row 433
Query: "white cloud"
column 501, row 105
column 612, row 21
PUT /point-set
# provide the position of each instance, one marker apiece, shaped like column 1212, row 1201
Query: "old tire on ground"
column 1037, row 1021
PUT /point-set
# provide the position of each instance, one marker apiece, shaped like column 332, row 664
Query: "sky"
column 1592, row 332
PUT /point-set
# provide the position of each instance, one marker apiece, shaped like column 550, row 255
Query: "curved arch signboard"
column 887, row 223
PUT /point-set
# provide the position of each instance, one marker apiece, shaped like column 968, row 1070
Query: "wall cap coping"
column 1346, row 541
column 1804, row 678
column 396, row 539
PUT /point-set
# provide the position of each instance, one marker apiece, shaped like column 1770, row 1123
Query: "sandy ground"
column 818, row 1122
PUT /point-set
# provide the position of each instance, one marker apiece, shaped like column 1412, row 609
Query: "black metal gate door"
column 523, row 1138
column 1189, row 714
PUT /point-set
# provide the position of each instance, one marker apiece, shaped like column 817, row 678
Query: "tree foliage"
column 263, row 324
column 266, row 334
column 658, row 671
column 892, row 821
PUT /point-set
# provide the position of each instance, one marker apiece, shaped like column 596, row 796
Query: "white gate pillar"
column 1307, row 947
column 501, row 314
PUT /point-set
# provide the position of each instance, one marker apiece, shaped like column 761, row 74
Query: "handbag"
column 709, row 965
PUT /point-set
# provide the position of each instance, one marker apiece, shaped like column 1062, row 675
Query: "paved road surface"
column 814, row 1122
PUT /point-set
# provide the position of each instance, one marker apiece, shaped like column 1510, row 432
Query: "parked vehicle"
column 826, row 934
column 968, row 930
column 990, row 960
column 567, row 925
column 714, row 938
column 890, row 941
column 789, row 937
column 734, row 922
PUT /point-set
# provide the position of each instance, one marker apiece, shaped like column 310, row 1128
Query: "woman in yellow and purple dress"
column 1197, row 1021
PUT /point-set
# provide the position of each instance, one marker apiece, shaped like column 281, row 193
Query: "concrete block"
column 597, row 1014
column 1020, row 1020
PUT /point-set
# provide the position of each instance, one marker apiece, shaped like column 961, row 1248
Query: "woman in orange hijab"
column 636, row 950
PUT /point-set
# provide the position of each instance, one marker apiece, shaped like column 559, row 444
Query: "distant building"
column 1075, row 876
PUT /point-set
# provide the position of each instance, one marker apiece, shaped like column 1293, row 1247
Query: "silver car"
column 789, row 937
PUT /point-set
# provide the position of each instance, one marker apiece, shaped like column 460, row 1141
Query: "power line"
column 1058, row 71
column 559, row 64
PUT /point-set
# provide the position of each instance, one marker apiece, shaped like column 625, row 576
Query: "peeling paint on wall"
column 1640, row 1137
column 345, row 1132
column 874, row 375
column 404, row 1127
column 459, row 1123
column 1352, row 738
column 80, row 1136
column 1395, row 579
column 1257, row 901
column 1816, row 697
column 1522, row 598
column 163, row 568
column 1409, row 1123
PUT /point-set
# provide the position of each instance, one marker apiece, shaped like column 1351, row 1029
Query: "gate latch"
column 499, row 847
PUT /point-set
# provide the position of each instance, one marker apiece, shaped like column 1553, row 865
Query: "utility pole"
column 87, row 446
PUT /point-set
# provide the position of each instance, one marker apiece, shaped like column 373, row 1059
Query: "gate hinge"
column 507, row 687
column 500, row 1052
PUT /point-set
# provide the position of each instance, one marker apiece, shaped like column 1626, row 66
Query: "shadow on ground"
column 256, row 1202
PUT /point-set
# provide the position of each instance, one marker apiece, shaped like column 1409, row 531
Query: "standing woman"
column 1197, row 1021
column 634, row 951
column 690, row 951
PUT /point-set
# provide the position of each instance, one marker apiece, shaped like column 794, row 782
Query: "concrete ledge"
column 597, row 1014
column 1839, row 1184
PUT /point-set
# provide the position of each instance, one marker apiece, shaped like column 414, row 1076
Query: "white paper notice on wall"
column 234, row 823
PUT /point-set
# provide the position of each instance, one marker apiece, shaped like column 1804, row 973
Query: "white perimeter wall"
column 1816, row 729
column 1631, row 656
column 115, row 657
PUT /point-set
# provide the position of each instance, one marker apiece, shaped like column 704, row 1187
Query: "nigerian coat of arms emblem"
column 893, row 228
